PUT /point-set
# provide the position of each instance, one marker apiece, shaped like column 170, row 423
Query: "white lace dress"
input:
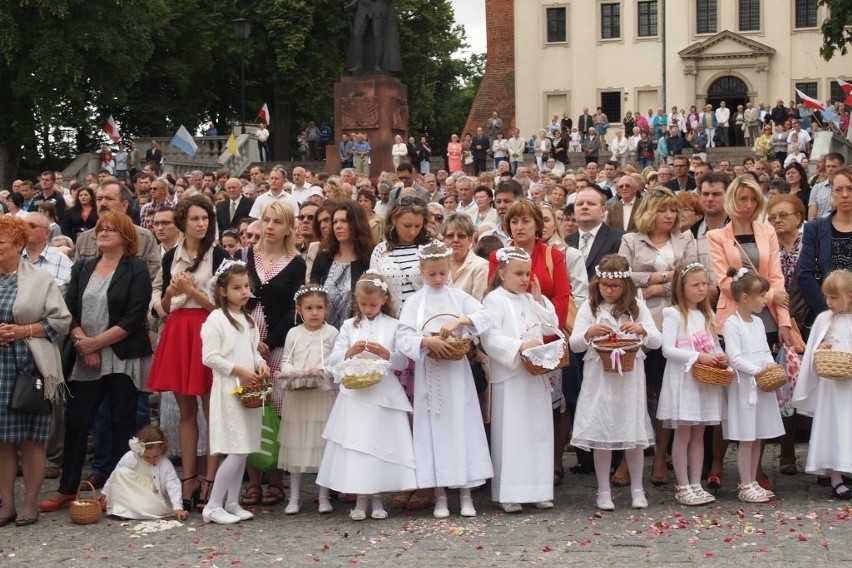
column 138, row 490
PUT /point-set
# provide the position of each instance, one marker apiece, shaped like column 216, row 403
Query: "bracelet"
column 31, row 330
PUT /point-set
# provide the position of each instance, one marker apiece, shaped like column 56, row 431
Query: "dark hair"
column 749, row 283
column 151, row 434
column 486, row 189
column 716, row 176
column 627, row 304
column 404, row 167
column 359, row 231
column 366, row 285
column 415, row 206
column 48, row 209
column 520, row 208
column 486, row 245
column 307, row 290
column 781, row 186
column 17, row 199
column 367, row 193
column 124, row 192
column 803, row 176
column 222, row 280
column 181, row 214
column 315, row 225
column 509, row 186
column 88, row 190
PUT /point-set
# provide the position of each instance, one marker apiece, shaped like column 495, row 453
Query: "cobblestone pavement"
column 803, row 527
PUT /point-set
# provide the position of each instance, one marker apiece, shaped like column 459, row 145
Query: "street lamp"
column 242, row 31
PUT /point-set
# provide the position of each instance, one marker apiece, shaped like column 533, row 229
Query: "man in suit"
column 592, row 146
column 622, row 213
column 584, row 122
column 595, row 240
column 230, row 211
column 154, row 154
column 682, row 181
column 479, row 147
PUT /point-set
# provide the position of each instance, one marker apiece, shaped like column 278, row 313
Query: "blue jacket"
column 810, row 259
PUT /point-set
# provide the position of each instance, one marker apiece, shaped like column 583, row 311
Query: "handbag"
column 266, row 459
column 28, row 394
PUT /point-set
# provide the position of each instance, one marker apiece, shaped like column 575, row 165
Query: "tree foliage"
column 836, row 29
column 155, row 64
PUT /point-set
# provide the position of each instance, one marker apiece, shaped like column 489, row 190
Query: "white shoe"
column 604, row 501
column 325, row 506
column 379, row 514
column 441, row 510
column 293, row 507
column 704, row 495
column 235, row 509
column 467, row 509
column 357, row 515
column 219, row 516
column 544, row 505
column 511, row 507
column 639, row 499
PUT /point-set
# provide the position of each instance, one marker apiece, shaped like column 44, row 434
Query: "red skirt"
column 177, row 365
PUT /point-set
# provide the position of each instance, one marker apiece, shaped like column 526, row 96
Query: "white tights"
column 688, row 454
column 229, row 478
column 603, row 462
column 748, row 458
column 295, row 487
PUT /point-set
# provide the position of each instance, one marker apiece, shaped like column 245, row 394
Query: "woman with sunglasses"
column 652, row 252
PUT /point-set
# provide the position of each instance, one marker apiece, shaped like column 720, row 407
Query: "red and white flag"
column 809, row 102
column 847, row 90
column 263, row 114
column 111, row 129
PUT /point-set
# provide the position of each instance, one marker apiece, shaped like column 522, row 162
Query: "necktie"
column 584, row 243
column 233, row 209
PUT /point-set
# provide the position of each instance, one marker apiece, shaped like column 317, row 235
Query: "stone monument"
column 371, row 100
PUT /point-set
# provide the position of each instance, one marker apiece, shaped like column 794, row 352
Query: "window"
column 809, row 88
column 806, row 14
column 749, row 15
column 611, row 105
column 647, row 19
column 837, row 94
column 556, row 30
column 610, row 21
column 705, row 11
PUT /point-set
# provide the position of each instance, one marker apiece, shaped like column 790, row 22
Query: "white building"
column 645, row 54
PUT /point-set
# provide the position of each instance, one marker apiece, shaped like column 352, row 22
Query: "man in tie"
column 593, row 238
column 235, row 207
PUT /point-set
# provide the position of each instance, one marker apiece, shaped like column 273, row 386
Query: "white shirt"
column 263, row 200
column 723, row 115
column 627, row 209
column 588, row 247
column 303, row 194
column 471, row 209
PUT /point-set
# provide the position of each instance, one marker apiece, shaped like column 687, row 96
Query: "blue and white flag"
column 183, row 140
column 830, row 116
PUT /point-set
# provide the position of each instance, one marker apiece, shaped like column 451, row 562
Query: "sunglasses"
column 438, row 217
column 231, row 233
column 305, row 217
column 409, row 200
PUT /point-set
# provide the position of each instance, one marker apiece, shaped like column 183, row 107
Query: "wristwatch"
column 665, row 277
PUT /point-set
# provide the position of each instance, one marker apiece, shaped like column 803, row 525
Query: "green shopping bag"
column 267, row 458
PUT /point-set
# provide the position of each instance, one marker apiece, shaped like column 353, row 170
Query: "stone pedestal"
column 376, row 105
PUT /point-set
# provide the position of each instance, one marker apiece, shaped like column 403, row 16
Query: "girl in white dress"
column 229, row 347
column 521, row 421
column 450, row 448
column 687, row 406
column 829, row 401
column 144, row 484
column 368, row 444
column 753, row 415
column 305, row 412
column 612, row 413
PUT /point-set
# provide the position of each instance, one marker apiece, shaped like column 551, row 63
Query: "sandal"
column 252, row 497
column 617, row 481
column 714, row 480
column 686, row 496
column 203, row 494
column 789, row 468
column 752, row 493
column 189, row 504
column 274, row 495
column 846, row 495
column 420, row 499
column 558, row 476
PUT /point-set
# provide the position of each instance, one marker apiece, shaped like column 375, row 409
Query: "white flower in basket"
column 548, row 357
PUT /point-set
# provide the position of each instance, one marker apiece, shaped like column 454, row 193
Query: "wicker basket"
column 354, row 382
column 302, row 380
column 626, row 348
column 543, row 351
column 710, row 375
column 773, row 377
column 85, row 511
column 458, row 345
column 834, row 365
column 255, row 396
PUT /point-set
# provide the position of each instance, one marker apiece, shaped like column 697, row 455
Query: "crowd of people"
column 444, row 286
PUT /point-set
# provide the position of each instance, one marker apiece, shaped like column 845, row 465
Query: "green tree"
column 836, row 29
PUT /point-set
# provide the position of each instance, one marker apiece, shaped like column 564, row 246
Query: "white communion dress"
column 138, row 490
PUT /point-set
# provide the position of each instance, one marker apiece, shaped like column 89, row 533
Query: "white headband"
column 312, row 289
column 740, row 273
column 446, row 253
column 691, row 266
column 612, row 275
column 512, row 253
column 377, row 282
column 137, row 446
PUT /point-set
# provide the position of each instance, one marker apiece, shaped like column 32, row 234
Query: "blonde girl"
column 229, row 348
column 612, row 412
column 828, row 401
column 368, row 444
column 304, row 412
column 687, row 406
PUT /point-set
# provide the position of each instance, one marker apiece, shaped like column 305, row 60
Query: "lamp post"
column 242, row 31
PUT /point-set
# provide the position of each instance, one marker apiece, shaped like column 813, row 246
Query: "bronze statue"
column 374, row 43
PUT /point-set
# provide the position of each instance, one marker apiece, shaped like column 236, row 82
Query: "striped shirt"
column 52, row 260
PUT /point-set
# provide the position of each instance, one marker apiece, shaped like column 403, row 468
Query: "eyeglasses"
column 456, row 236
column 842, row 189
column 305, row 217
column 230, row 233
column 409, row 200
column 34, row 226
column 611, row 285
column 106, row 230
column 658, row 193
column 781, row 216
column 162, row 223
column 438, row 217
column 253, row 235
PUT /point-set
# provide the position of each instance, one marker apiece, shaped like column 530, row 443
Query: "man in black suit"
column 683, row 180
column 584, row 122
column 230, row 211
column 595, row 240
column 154, row 154
column 479, row 147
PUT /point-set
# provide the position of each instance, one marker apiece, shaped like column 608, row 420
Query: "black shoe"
column 581, row 468
column 96, row 480
column 846, row 495
column 823, row 481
